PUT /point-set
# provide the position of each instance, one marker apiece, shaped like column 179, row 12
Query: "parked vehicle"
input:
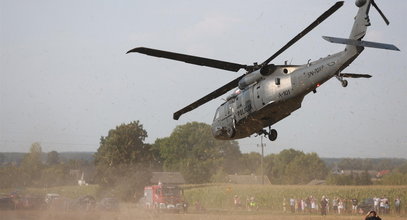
column 366, row 205
column 6, row 202
column 164, row 198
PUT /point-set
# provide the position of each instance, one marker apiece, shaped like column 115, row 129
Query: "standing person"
column 354, row 205
column 308, row 203
column 324, row 203
column 381, row 205
column 327, row 204
column 372, row 215
column 386, row 206
column 313, row 205
column 397, row 205
column 236, row 201
column 284, row 205
column 252, row 204
column 292, row 205
column 335, row 202
column 376, row 202
column 340, row 206
column 299, row 205
column 303, row 205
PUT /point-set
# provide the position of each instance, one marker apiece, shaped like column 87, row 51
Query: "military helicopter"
column 267, row 93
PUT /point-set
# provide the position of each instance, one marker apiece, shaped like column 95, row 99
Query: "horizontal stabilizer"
column 354, row 75
column 338, row 40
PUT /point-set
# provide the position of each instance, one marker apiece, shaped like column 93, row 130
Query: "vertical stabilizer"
column 362, row 20
column 360, row 25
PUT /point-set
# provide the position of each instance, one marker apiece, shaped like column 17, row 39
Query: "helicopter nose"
column 217, row 131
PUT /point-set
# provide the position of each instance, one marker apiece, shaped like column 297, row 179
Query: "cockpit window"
column 216, row 114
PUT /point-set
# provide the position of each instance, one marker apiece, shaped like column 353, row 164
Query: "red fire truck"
column 164, row 198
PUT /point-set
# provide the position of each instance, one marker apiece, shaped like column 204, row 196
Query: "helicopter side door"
column 283, row 87
column 259, row 95
column 243, row 105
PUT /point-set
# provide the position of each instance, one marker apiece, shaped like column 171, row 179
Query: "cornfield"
column 270, row 197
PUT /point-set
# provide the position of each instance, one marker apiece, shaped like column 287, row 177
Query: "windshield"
column 216, row 114
column 171, row 191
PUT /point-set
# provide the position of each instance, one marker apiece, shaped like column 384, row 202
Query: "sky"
column 66, row 80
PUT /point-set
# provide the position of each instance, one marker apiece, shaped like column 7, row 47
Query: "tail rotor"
column 380, row 12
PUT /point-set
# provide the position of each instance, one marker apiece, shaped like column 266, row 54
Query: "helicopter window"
column 227, row 109
column 216, row 114
column 285, row 71
column 278, row 81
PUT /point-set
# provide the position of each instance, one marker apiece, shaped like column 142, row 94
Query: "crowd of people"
column 325, row 205
column 341, row 205
column 250, row 204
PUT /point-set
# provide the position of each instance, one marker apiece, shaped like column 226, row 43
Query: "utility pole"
column 262, row 156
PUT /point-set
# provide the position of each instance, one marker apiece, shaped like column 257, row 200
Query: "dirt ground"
column 132, row 213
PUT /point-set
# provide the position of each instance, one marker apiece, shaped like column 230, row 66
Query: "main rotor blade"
column 319, row 20
column 380, row 12
column 222, row 90
column 201, row 61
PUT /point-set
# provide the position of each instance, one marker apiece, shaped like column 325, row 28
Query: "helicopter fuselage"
column 274, row 95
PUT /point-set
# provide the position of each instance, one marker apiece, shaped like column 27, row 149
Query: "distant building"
column 82, row 181
column 316, row 182
column 247, row 179
column 371, row 173
column 382, row 173
column 175, row 178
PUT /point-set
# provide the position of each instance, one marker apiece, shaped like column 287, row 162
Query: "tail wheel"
column 344, row 83
column 272, row 135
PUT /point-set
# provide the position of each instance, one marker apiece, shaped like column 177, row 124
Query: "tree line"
column 192, row 150
column 33, row 171
column 123, row 162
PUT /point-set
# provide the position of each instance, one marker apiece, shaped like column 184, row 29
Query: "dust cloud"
column 132, row 213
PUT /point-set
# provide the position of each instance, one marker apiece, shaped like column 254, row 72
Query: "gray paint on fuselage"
column 266, row 102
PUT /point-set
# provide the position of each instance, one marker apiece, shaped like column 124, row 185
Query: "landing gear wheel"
column 272, row 135
column 231, row 132
column 344, row 83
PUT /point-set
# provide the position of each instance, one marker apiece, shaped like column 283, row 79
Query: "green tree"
column 52, row 158
column 336, row 179
column 402, row 168
column 394, row 178
column 304, row 168
column 250, row 163
column 192, row 150
column 57, row 175
column 31, row 164
column 124, row 162
column 124, row 181
column 364, row 179
column 280, row 162
column 350, row 164
column 2, row 158
column 11, row 177
column 294, row 167
column 125, row 145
